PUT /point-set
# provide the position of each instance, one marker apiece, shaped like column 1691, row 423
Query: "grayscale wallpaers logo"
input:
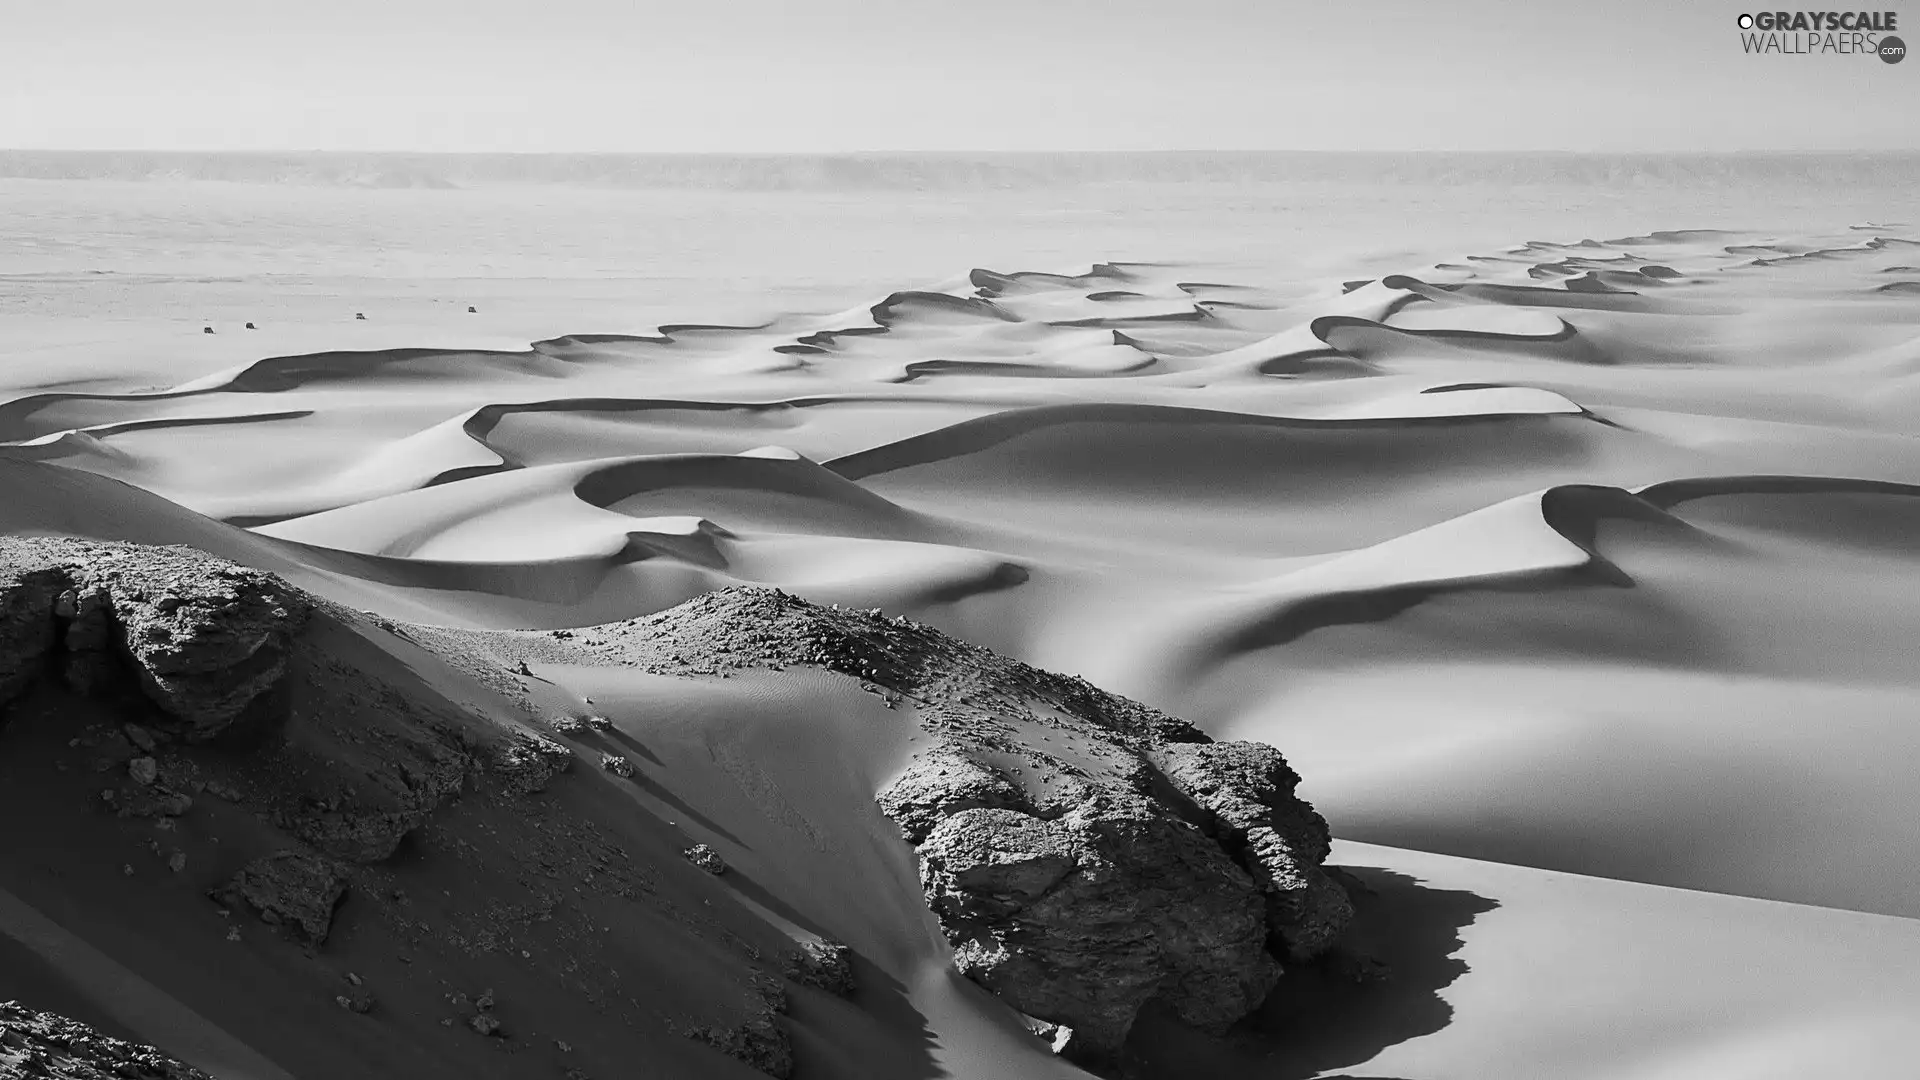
column 1823, row 33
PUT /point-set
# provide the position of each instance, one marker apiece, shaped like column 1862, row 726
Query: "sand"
column 1574, row 573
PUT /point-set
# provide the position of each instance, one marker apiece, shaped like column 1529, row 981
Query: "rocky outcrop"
column 941, row 783
column 1085, row 854
column 289, row 888
column 1084, row 919
column 193, row 647
column 201, row 638
column 759, row 1042
column 29, row 588
column 1098, row 882
column 44, row 1044
column 525, row 762
column 824, row 965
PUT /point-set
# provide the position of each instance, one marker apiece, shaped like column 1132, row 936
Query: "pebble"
column 144, row 770
column 484, row 1024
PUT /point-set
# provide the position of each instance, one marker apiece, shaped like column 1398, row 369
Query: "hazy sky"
column 911, row 74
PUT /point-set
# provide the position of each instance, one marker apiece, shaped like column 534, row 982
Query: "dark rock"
column 759, row 1042
column 1083, row 920
column 485, row 1024
column 289, row 888
column 29, row 589
column 826, row 965
column 525, row 762
column 357, row 835
column 150, row 801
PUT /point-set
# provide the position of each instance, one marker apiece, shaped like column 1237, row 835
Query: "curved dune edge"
column 1544, row 540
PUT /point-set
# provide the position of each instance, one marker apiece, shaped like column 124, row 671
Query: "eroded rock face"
column 203, row 639
column 28, row 591
column 1248, row 790
column 44, row 1044
column 941, row 783
column 289, row 888
column 1085, row 919
column 1182, row 874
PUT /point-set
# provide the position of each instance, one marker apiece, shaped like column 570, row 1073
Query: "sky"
column 861, row 75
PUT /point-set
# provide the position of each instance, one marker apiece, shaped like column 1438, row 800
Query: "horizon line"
column 949, row 152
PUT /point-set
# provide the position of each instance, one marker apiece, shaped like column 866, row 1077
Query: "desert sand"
column 1575, row 575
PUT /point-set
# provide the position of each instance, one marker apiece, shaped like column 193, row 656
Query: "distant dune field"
column 1576, row 573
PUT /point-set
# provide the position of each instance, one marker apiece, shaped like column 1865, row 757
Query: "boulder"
column 1117, row 874
column 1082, row 920
column 207, row 638
column 706, row 859
column 526, row 762
column 288, row 888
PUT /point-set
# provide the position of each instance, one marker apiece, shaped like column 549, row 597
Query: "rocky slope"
column 230, row 748
column 45, row 1045
column 1086, row 854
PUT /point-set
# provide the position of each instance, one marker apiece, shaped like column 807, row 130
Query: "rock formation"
column 203, row 639
column 289, row 888
column 824, row 965
column 526, row 762
column 1086, row 855
column 1182, row 876
column 50, row 1046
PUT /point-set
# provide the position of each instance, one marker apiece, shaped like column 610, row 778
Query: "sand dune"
column 1576, row 577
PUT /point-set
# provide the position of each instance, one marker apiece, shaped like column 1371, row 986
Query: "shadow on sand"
column 1322, row 1016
